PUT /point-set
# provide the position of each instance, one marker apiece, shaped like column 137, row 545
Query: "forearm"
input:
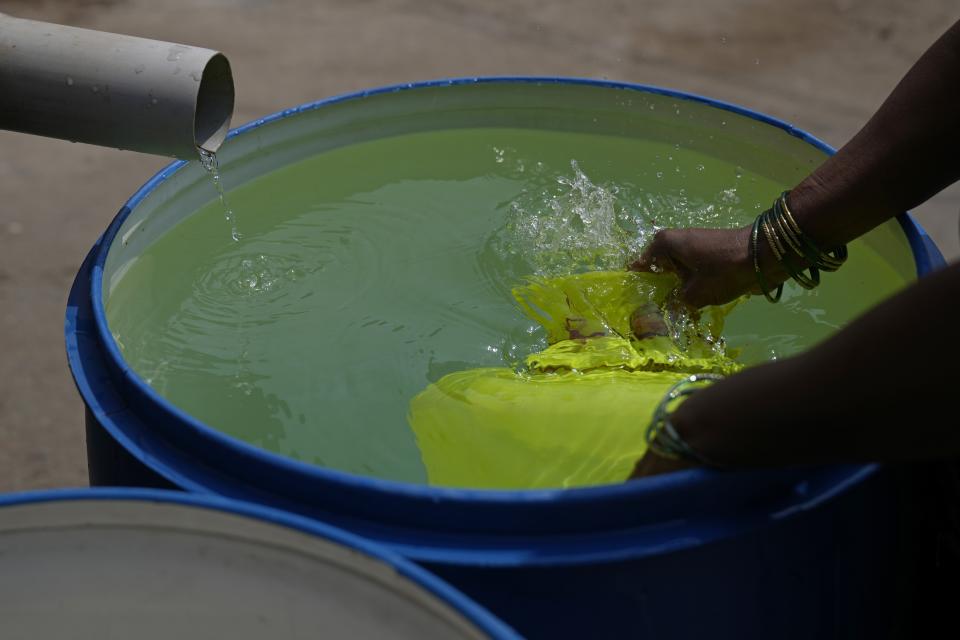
column 906, row 153
column 874, row 391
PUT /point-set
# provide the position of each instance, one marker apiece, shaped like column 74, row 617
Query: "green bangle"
column 754, row 233
column 662, row 437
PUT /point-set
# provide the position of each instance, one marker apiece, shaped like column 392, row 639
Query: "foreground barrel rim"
column 923, row 256
column 474, row 613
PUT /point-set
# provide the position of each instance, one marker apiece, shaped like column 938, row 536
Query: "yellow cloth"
column 577, row 416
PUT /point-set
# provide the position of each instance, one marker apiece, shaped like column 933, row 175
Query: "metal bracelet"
column 780, row 252
column 754, row 234
column 824, row 260
column 662, row 437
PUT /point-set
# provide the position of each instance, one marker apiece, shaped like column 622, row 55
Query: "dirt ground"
column 823, row 65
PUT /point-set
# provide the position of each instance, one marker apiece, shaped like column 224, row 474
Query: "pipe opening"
column 214, row 104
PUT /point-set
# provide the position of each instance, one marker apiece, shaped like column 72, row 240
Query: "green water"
column 366, row 272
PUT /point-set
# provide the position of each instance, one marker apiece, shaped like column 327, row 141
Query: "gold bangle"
column 772, row 239
column 780, row 253
column 754, row 242
column 788, row 236
column 826, row 260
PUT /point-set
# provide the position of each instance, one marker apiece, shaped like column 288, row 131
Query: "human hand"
column 714, row 265
column 651, row 464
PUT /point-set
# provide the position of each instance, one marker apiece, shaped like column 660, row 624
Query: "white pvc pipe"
column 112, row 90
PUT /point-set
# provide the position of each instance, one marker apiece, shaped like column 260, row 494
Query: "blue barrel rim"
column 472, row 611
column 925, row 258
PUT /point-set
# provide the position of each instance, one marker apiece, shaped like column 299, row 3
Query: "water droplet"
column 138, row 69
column 154, row 101
column 700, row 168
column 729, row 196
column 95, row 89
column 659, row 174
column 176, row 51
column 69, row 81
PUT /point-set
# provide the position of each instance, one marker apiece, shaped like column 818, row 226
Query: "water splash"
column 209, row 161
column 568, row 224
column 571, row 225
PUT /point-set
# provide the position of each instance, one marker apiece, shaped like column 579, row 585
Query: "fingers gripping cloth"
column 576, row 415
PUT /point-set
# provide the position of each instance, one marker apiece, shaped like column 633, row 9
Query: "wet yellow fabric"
column 576, row 416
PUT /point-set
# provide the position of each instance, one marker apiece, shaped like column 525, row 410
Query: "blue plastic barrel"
column 795, row 553
column 140, row 563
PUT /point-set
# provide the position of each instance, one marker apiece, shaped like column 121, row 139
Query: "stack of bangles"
column 789, row 244
column 662, row 437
